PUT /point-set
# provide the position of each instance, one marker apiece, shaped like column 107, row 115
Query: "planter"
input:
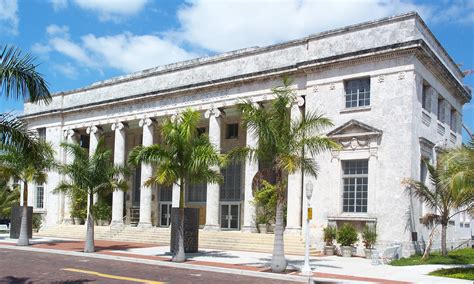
column 16, row 216
column 262, row 228
column 271, row 228
column 346, row 251
column 328, row 250
column 103, row 222
column 368, row 253
column 77, row 221
column 191, row 229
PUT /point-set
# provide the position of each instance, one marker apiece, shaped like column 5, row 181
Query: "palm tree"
column 281, row 142
column 19, row 79
column 184, row 158
column 27, row 167
column 91, row 174
column 9, row 196
column 451, row 191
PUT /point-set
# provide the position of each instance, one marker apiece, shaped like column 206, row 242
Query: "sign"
column 310, row 213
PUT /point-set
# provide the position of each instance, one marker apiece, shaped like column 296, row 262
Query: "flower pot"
column 102, row 222
column 77, row 221
column 271, row 228
column 368, row 253
column 329, row 250
column 346, row 251
column 262, row 228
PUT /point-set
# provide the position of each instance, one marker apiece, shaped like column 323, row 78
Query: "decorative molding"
column 401, row 75
column 215, row 112
column 381, row 79
column 93, row 129
column 118, row 125
column 145, row 122
column 332, row 86
column 315, row 88
column 354, row 143
column 69, row 133
column 299, row 101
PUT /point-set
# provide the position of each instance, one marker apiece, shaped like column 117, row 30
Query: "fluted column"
column 119, row 160
column 94, row 132
column 295, row 182
column 251, row 168
column 71, row 136
column 175, row 196
column 213, row 189
column 145, row 191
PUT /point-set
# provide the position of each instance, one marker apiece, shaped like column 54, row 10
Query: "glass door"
column 230, row 216
column 165, row 213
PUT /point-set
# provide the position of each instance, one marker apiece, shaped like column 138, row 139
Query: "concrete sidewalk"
column 326, row 268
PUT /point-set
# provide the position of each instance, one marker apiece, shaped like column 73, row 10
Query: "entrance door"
column 230, row 216
column 165, row 209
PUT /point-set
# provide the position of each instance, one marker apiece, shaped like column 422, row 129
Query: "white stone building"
column 393, row 93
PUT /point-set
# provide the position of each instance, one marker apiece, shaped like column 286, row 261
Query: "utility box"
column 15, row 219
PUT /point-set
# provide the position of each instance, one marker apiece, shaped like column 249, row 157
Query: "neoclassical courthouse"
column 394, row 94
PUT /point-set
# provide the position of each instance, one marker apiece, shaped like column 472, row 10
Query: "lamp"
column 306, row 269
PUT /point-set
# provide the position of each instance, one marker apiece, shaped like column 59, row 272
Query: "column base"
column 68, row 222
column 249, row 229
column 212, row 228
column 116, row 224
column 144, row 225
column 293, row 231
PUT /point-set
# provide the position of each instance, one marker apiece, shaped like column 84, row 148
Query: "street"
column 35, row 267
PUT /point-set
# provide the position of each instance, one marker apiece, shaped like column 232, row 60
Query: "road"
column 37, row 267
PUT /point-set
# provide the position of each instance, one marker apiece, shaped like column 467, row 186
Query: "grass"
column 461, row 256
column 461, row 273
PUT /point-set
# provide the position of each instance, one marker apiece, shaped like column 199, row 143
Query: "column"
column 147, row 172
column 295, row 183
column 119, row 160
column 175, row 196
column 94, row 132
column 213, row 189
column 251, row 168
column 72, row 138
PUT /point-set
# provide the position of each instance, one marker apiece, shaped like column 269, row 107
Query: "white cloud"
column 55, row 30
column 227, row 25
column 72, row 50
column 58, row 4
column 112, row 9
column 9, row 17
column 67, row 70
column 40, row 48
column 454, row 11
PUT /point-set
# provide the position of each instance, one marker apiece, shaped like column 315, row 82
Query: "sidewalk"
column 326, row 268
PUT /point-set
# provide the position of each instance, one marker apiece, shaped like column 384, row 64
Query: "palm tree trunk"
column 179, row 255
column 426, row 254
column 89, row 244
column 278, row 258
column 23, row 239
column 444, row 251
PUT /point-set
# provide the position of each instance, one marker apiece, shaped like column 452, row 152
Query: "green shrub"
column 330, row 233
column 36, row 221
column 102, row 211
column 265, row 200
column 347, row 235
column 369, row 237
column 78, row 205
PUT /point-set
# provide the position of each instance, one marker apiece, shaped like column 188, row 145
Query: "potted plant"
column 369, row 237
column 102, row 213
column 330, row 233
column 347, row 237
column 262, row 223
column 265, row 200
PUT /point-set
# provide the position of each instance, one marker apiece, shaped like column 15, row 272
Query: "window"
column 453, row 122
column 358, row 93
column 39, row 197
column 230, row 188
column 166, row 193
column 426, row 97
column 84, row 141
column 42, row 133
column 441, row 109
column 197, row 192
column 355, row 179
column 201, row 130
column 232, row 131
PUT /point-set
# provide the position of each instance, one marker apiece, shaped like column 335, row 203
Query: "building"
column 392, row 91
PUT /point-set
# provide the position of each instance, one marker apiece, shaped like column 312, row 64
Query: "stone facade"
column 405, row 71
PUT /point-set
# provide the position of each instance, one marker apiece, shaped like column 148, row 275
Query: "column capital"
column 69, row 133
column 94, row 129
column 298, row 101
column 118, row 125
column 146, row 122
column 215, row 112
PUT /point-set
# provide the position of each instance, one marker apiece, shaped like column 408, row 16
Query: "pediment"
column 354, row 128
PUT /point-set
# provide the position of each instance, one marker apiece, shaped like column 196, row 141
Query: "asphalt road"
column 37, row 267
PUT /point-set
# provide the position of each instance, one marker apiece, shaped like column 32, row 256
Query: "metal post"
column 306, row 269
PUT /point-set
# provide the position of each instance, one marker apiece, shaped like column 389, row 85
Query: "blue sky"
column 78, row 42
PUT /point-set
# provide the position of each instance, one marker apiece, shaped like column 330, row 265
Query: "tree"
column 451, row 191
column 27, row 167
column 184, row 158
column 19, row 79
column 282, row 144
column 9, row 196
column 91, row 174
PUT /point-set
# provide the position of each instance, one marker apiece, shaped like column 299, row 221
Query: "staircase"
column 221, row 240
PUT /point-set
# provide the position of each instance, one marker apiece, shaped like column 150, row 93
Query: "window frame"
column 37, row 195
column 349, row 104
column 441, row 111
column 426, row 97
column 356, row 177
column 228, row 134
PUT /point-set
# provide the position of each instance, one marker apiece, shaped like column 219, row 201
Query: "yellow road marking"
column 112, row 276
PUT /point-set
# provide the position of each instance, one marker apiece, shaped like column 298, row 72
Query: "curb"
column 181, row 265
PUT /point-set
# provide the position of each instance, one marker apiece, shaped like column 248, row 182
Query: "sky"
column 79, row 42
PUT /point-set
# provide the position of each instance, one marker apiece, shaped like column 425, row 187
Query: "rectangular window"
column 166, row 193
column 39, row 197
column 232, row 131
column 230, row 188
column 441, row 109
column 355, row 180
column 426, row 97
column 453, row 120
column 42, row 133
column 358, row 93
column 197, row 192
